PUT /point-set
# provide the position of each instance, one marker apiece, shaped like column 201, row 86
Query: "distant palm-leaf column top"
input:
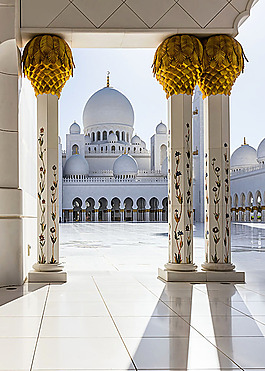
column 48, row 64
column 214, row 63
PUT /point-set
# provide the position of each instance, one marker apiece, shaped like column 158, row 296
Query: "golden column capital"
column 48, row 64
column 223, row 61
column 177, row 64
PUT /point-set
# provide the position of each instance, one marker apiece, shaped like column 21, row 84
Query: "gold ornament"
column 48, row 64
column 223, row 61
column 177, row 64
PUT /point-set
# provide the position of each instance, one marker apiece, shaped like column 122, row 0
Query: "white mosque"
column 248, row 183
column 107, row 173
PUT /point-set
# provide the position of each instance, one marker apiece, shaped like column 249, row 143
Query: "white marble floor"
column 114, row 314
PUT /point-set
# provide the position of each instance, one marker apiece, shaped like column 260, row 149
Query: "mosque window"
column 106, row 149
column 98, row 135
column 127, row 137
column 89, row 149
column 101, row 149
column 104, row 135
column 140, row 149
column 134, row 149
column 129, row 149
column 112, row 148
column 111, row 132
column 95, row 149
column 93, row 137
column 123, row 136
column 75, row 149
column 118, row 134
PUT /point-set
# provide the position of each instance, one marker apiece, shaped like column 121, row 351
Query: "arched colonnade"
column 248, row 206
column 117, row 210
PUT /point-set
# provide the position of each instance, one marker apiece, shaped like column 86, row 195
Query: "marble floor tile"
column 81, row 353
column 78, row 327
column 170, row 353
column 151, row 327
column 21, row 327
column 140, row 309
column 78, row 309
column 16, row 353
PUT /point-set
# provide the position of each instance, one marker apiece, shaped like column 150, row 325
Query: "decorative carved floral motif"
column 178, row 234
column 53, row 229
column 216, row 190
column 42, row 201
column 227, row 208
column 188, row 227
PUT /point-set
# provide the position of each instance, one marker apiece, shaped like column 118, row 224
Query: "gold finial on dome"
column 108, row 73
column 245, row 142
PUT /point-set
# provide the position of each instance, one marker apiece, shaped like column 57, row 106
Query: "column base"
column 199, row 277
column 218, row 267
column 47, row 277
column 47, row 273
column 181, row 267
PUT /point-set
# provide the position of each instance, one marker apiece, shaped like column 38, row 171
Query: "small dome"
column 112, row 138
column 161, row 128
column 164, row 167
column 261, row 151
column 125, row 165
column 76, row 165
column 74, row 129
column 107, row 106
column 244, row 156
column 136, row 140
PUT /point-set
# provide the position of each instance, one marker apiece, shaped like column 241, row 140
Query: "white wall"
column 28, row 172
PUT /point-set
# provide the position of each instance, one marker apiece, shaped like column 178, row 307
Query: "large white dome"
column 107, row 106
column 76, row 165
column 125, row 165
column 261, row 151
column 244, row 156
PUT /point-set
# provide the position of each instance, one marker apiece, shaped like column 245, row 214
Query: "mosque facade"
column 248, row 183
column 107, row 173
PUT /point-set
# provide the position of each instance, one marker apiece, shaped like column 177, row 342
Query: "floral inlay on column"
column 53, row 230
column 188, row 194
column 178, row 234
column 42, row 201
column 216, row 190
column 227, row 206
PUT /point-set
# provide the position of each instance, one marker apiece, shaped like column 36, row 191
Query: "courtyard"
column 114, row 314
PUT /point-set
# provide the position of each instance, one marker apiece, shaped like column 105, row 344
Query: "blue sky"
column 131, row 74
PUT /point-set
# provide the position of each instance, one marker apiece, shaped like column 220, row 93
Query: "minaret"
column 108, row 73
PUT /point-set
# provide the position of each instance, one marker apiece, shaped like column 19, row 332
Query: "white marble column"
column 263, row 214
column 47, row 268
column 47, row 172
column 134, row 212
column 180, row 184
column 217, row 184
column 255, row 214
column 109, row 215
column 122, row 215
column 247, row 215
